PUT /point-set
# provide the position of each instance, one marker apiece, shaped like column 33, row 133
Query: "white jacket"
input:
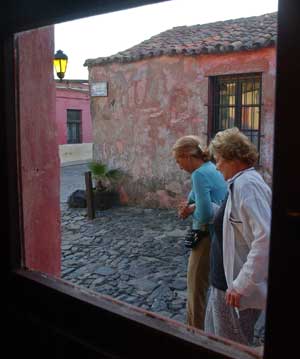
column 246, row 234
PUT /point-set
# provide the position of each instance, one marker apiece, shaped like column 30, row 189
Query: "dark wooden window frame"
column 38, row 312
column 74, row 121
column 217, row 106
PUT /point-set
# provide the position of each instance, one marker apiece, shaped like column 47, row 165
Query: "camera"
column 194, row 236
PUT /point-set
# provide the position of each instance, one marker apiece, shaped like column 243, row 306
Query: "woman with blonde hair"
column 208, row 186
column 242, row 227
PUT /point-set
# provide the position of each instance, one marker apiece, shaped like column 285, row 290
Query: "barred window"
column 236, row 101
column 74, row 126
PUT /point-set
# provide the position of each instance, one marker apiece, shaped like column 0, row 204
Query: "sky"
column 106, row 34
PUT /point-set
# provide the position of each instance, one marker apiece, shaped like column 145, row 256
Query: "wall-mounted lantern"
column 60, row 62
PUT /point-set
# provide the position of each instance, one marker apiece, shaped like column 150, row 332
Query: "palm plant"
column 105, row 178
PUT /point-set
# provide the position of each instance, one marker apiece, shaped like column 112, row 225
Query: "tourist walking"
column 239, row 251
column 208, row 186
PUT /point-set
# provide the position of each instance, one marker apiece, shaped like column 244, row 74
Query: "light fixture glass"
column 60, row 62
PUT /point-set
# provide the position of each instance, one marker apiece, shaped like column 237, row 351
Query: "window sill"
column 105, row 322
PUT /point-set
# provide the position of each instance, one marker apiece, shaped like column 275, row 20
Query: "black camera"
column 194, row 236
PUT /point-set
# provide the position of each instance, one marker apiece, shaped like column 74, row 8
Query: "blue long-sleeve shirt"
column 208, row 185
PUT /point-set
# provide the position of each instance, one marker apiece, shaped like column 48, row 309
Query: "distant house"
column 73, row 119
column 188, row 80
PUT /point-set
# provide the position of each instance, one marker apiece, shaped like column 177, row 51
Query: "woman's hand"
column 233, row 298
column 185, row 209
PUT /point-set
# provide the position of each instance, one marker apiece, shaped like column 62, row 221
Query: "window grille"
column 74, row 126
column 237, row 103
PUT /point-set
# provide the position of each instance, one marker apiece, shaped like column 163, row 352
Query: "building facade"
column 187, row 80
column 73, row 118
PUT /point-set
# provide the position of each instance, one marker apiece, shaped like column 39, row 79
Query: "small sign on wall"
column 99, row 89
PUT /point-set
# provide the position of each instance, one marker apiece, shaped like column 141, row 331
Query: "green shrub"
column 106, row 179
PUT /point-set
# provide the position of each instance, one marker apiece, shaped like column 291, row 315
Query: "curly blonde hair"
column 190, row 146
column 232, row 144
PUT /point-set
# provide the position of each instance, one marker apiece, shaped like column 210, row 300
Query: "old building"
column 187, row 80
column 73, row 120
column 46, row 317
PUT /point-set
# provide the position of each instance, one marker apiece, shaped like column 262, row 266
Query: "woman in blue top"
column 208, row 186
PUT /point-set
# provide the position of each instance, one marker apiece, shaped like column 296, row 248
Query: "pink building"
column 188, row 80
column 73, row 112
column 73, row 118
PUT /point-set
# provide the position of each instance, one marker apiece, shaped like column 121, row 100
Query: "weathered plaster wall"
column 39, row 154
column 153, row 102
column 263, row 61
column 71, row 99
column 82, row 152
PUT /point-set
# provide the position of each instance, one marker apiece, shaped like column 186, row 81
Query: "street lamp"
column 60, row 62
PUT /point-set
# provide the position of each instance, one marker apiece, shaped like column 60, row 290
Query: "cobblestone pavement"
column 132, row 254
column 71, row 179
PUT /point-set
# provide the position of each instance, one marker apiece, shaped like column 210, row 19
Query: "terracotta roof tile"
column 218, row 37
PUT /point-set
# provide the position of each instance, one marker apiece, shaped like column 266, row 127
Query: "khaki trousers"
column 197, row 283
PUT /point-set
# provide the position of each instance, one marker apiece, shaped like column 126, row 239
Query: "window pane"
column 250, row 92
column 250, row 118
column 225, row 104
column 227, row 117
column 227, row 93
column 73, row 115
column 69, row 135
column 74, row 126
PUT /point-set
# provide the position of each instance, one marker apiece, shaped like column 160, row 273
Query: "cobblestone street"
column 132, row 254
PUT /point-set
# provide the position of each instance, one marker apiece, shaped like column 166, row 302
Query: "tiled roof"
column 217, row 37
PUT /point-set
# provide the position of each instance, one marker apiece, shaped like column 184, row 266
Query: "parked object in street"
column 77, row 199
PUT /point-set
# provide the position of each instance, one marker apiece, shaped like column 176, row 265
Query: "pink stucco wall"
column 39, row 156
column 153, row 102
column 73, row 96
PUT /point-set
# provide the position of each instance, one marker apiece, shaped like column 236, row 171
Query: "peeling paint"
column 39, row 160
column 162, row 99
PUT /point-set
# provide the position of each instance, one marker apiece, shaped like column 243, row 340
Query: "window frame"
column 26, row 293
column 78, row 124
column 214, row 119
